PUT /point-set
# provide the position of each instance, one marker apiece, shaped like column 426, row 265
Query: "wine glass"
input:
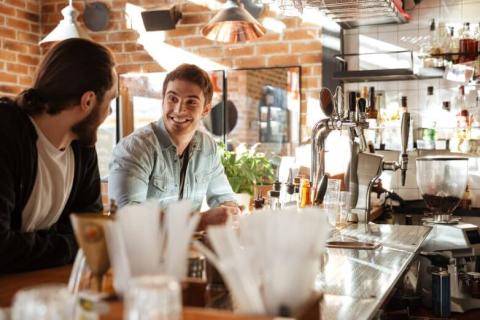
column 442, row 181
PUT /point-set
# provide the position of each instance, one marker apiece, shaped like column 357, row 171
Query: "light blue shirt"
column 145, row 166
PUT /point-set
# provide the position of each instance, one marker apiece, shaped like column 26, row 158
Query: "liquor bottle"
column 404, row 107
column 468, row 45
column 429, row 119
column 454, row 45
column 372, row 112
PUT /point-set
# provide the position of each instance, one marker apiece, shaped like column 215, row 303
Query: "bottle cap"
column 446, row 105
column 297, row 189
column 404, row 101
column 430, row 91
column 258, row 203
column 277, row 185
column 290, row 188
column 274, row 194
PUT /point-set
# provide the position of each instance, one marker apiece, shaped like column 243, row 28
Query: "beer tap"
column 402, row 162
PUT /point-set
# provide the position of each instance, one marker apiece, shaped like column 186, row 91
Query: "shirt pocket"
column 161, row 183
column 202, row 180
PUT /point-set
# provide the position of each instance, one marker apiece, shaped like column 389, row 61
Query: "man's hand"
column 216, row 216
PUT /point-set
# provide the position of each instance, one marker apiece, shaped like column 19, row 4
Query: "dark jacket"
column 20, row 251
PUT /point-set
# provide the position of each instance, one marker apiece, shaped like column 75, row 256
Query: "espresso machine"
column 460, row 243
column 442, row 181
column 364, row 167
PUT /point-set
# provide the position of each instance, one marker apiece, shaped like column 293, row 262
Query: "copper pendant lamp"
column 233, row 24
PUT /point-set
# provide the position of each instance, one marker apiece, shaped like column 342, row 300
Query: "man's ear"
column 206, row 109
column 87, row 101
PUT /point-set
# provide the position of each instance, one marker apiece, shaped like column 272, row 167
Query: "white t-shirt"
column 55, row 171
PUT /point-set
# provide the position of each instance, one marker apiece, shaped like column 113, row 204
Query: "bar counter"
column 356, row 283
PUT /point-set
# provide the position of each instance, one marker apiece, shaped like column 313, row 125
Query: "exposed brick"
column 122, row 36
column 198, row 41
column 174, row 42
column 7, row 33
column 210, row 52
column 8, row 77
column 274, row 48
column 310, row 82
column 272, row 36
column 33, row 6
column 300, row 34
column 6, row 10
column 183, row 31
column 33, row 17
column 115, row 47
column 192, row 7
column 249, row 62
column 122, row 58
column 239, row 51
column 30, row 60
column 2, row 20
column 195, row 19
column 284, row 60
column 311, row 58
column 291, row 22
column 152, row 67
column 307, row 47
column 7, row 55
column 140, row 57
column 127, row 68
column 25, row 81
column 128, row 47
column 27, row 36
column 18, row 3
column 17, row 68
column 15, row 46
column 99, row 37
column 10, row 90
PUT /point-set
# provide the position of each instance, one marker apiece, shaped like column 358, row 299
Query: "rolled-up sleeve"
column 219, row 189
column 130, row 170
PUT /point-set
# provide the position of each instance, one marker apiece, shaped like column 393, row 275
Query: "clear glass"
column 153, row 297
column 345, row 207
column 442, row 182
column 331, row 200
column 46, row 302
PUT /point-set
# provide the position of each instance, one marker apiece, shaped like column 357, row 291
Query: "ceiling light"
column 233, row 24
column 66, row 28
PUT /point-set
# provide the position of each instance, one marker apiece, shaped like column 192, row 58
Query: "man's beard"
column 86, row 129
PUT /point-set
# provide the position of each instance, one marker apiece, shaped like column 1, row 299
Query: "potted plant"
column 247, row 169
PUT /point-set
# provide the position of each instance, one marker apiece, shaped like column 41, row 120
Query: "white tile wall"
column 410, row 36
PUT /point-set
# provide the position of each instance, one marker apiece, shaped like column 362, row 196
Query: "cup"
column 344, row 208
column 331, row 200
column 155, row 297
column 45, row 302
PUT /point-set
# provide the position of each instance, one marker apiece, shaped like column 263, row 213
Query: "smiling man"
column 171, row 159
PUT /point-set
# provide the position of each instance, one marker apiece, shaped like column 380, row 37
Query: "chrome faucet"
column 364, row 167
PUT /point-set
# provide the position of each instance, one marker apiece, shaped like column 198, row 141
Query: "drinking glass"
column 345, row 207
column 331, row 200
column 155, row 297
column 45, row 302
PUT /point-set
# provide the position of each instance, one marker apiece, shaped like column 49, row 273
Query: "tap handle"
column 405, row 130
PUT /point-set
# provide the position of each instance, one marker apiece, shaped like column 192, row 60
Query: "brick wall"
column 19, row 51
column 298, row 44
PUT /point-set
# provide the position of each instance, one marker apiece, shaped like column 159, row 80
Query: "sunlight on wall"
column 167, row 56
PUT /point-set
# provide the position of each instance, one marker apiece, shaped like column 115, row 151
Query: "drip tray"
column 353, row 245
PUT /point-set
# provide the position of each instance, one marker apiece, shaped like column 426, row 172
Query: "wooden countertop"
column 11, row 283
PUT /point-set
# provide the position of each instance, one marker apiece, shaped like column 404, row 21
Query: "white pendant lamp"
column 66, row 28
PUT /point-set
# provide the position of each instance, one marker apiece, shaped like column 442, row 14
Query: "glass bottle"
column 404, row 107
column 275, row 199
column 454, row 45
column 467, row 45
column 372, row 112
column 428, row 120
column 306, row 199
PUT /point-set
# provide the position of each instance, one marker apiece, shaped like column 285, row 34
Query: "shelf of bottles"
column 448, row 46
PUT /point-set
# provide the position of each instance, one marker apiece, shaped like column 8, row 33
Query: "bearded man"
column 48, row 163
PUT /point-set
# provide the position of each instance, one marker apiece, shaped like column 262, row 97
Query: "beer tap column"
column 405, row 130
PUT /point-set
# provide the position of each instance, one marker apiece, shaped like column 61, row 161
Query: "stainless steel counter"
column 357, row 282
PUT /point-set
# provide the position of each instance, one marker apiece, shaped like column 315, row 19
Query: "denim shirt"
column 145, row 166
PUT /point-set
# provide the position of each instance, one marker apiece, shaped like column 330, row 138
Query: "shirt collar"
column 166, row 142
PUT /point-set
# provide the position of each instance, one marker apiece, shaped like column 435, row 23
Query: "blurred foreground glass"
column 45, row 302
column 331, row 200
column 153, row 298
